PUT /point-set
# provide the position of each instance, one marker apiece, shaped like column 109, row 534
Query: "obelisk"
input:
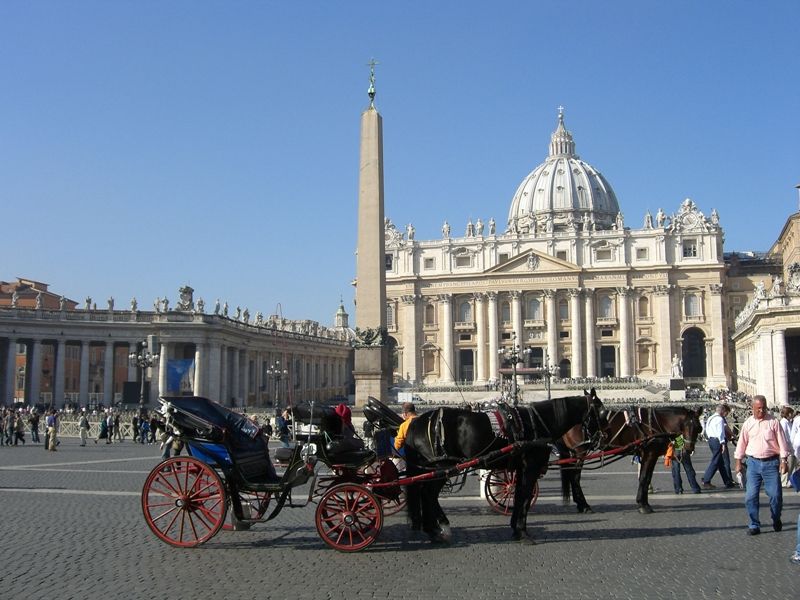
column 371, row 355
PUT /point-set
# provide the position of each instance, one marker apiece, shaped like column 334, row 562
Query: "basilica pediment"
column 534, row 262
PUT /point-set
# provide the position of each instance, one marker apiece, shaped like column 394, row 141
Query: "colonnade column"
column 223, row 373
column 410, row 340
column 446, row 369
column 83, row 377
column 133, row 347
column 61, row 360
column 108, row 374
column 480, row 337
column 35, row 366
column 552, row 327
column 718, row 347
column 245, row 372
column 235, row 377
column 162, row 371
column 591, row 353
column 198, row 385
column 11, row 372
column 494, row 358
column 577, row 332
column 214, row 369
column 623, row 294
column 516, row 314
column 781, row 383
column 662, row 314
column 764, row 378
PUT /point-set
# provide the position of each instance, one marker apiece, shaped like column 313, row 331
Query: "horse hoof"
column 645, row 509
column 585, row 509
column 438, row 538
column 447, row 533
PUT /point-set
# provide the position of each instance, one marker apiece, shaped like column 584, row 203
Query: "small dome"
column 563, row 190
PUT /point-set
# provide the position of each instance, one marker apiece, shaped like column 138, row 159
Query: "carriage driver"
column 409, row 414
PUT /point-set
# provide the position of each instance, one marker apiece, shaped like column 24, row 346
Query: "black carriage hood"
column 214, row 413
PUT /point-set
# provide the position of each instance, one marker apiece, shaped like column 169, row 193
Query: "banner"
column 180, row 375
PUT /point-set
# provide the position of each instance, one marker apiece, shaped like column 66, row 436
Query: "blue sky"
column 146, row 145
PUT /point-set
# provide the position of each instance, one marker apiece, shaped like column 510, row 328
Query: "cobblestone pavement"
column 73, row 527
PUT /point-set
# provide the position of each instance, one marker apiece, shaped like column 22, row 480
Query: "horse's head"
column 596, row 421
column 690, row 429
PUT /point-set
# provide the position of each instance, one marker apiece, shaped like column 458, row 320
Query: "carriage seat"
column 348, row 451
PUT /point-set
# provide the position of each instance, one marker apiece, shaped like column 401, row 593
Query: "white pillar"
column 480, row 338
column 717, row 374
column 780, row 381
column 108, row 374
column 552, row 327
column 236, row 382
column 198, row 385
column 494, row 338
column 162, row 371
column 764, row 382
column 83, row 384
column 410, row 340
column 625, row 362
column 11, row 372
column 35, row 365
column 214, row 371
column 591, row 353
column 664, row 324
column 60, row 360
column 446, row 374
column 577, row 332
column 516, row 315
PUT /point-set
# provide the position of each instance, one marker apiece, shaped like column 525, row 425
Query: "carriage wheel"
column 253, row 503
column 392, row 506
column 183, row 501
column 349, row 517
column 500, row 487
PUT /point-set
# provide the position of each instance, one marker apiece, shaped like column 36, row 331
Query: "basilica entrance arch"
column 694, row 353
column 608, row 361
column 466, row 365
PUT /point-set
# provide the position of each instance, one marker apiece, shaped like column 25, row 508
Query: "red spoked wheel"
column 392, row 506
column 349, row 517
column 184, row 502
column 254, row 507
column 500, row 486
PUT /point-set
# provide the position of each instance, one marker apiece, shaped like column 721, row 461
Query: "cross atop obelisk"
column 371, row 91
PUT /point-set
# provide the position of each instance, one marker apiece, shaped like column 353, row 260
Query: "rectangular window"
column 603, row 254
column 641, row 254
column 563, row 334
column 561, row 254
column 502, row 258
column 430, row 263
column 506, row 335
column 465, row 337
column 606, row 333
column 463, row 261
column 690, row 249
column 388, row 261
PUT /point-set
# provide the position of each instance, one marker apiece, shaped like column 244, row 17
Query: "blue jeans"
column 683, row 459
column 718, row 463
column 766, row 472
column 797, row 549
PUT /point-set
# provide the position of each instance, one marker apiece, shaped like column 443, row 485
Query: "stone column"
column 664, row 323
column 625, row 350
column 214, row 370
column 764, row 381
column 552, row 327
column 60, row 360
column 781, row 383
column 198, row 385
column 108, row 374
column 410, row 339
column 577, row 332
column 717, row 374
column 591, row 327
column 35, row 365
column 446, row 325
column 162, row 371
column 236, row 381
column 245, row 373
column 516, row 315
column 494, row 338
column 480, row 338
column 83, row 385
column 11, row 372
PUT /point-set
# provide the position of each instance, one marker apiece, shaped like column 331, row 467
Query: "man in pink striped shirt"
column 762, row 442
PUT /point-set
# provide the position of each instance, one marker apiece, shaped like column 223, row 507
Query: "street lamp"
column 275, row 373
column 143, row 358
column 515, row 354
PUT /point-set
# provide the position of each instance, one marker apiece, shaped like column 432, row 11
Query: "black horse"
column 439, row 439
column 643, row 432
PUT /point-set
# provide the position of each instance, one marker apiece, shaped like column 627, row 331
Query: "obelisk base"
column 370, row 374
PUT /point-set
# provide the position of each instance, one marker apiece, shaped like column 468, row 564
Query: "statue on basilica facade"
column 88, row 305
column 165, row 304
column 225, row 309
column 15, row 299
column 660, row 218
column 259, row 319
column 648, row 220
column 479, row 227
column 201, row 305
column 446, row 230
column 246, row 315
column 410, row 232
column 134, row 305
column 470, row 229
column 39, row 300
column 62, row 303
column 714, row 217
column 619, row 222
column 492, row 226
column 216, row 307
column 677, row 367
column 110, row 303
column 157, row 304
column 238, row 314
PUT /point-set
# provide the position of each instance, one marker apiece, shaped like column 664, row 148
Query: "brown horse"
column 643, row 432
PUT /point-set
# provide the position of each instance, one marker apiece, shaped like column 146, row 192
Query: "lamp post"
column 275, row 373
column 143, row 358
column 515, row 354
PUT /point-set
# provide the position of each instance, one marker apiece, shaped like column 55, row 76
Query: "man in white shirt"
column 717, row 432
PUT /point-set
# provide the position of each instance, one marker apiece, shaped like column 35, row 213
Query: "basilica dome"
column 563, row 191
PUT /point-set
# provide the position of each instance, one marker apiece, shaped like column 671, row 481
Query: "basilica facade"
column 565, row 279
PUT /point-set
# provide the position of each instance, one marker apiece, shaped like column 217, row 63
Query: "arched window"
column 691, row 305
column 505, row 312
column 606, row 307
column 644, row 307
column 465, row 312
column 390, row 315
column 563, row 310
column 430, row 314
column 534, row 309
